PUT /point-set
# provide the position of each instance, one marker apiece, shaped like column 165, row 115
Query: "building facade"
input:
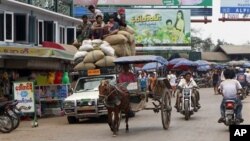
column 22, row 23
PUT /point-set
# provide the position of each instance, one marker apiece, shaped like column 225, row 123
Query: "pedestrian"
column 215, row 77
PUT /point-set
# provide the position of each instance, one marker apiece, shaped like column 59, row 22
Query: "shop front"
column 47, row 68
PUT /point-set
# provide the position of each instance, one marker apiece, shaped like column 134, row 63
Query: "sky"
column 235, row 32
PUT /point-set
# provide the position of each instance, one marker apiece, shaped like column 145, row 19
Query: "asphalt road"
column 146, row 126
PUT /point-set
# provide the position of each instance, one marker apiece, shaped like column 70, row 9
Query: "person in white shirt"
column 95, row 11
column 187, row 82
column 172, row 79
column 229, row 88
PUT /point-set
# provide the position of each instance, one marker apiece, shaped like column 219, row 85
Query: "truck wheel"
column 72, row 120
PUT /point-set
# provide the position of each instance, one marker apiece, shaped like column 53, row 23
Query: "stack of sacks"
column 93, row 54
column 123, row 42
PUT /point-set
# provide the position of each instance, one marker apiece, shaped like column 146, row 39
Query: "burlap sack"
column 78, row 60
column 126, row 34
column 88, row 42
column 132, row 48
column 107, row 61
column 128, row 50
column 84, row 66
column 93, row 56
column 129, row 29
column 122, row 50
column 107, row 50
column 116, row 39
column 80, row 54
column 76, row 44
column 86, row 47
column 97, row 41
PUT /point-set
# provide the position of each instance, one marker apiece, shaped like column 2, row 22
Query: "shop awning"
column 6, row 51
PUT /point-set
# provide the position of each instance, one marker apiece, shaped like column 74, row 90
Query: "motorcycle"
column 6, row 123
column 14, row 112
column 186, row 103
column 230, row 114
column 242, row 94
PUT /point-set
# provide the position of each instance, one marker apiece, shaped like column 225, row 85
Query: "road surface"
column 146, row 126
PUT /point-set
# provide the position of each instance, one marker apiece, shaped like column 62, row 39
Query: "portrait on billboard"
column 159, row 26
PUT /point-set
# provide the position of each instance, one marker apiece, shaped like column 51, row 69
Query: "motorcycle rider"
column 229, row 88
column 187, row 82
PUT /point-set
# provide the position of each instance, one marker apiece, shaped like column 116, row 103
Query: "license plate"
column 229, row 112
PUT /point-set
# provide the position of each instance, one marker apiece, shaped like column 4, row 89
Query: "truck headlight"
column 68, row 104
column 91, row 102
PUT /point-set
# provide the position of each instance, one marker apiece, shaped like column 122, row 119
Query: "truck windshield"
column 91, row 84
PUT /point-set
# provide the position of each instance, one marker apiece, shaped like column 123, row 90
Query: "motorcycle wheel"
column 15, row 118
column 6, row 123
column 186, row 108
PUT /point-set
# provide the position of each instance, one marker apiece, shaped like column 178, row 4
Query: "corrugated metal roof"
column 233, row 49
column 214, row 56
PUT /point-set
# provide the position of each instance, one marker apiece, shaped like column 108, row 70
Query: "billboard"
column 235, row 6
column 157, row 2
column 24, row 94
column 156, row 27
column 191, row 2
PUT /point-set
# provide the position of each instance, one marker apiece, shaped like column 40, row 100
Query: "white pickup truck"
column 84, row 102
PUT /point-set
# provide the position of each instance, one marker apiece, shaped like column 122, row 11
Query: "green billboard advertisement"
column 188, row 2
column 156, row 27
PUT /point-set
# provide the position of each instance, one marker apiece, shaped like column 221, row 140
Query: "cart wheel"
column 166, row 109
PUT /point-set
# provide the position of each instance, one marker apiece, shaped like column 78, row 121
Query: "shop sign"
column 25, row 51
column 24, row 94
column 94, row 72
column 235, row 6
column 154, row 27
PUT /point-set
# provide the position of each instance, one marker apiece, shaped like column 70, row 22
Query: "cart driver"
column 126, row 75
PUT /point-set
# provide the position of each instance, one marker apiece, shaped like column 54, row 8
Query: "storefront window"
column 40, row 32
column 62, row 35
column 20, row 27
column 1, row 26
column 71, row 35
column 9, row 24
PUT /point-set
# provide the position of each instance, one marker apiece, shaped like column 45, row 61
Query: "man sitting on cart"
column 126, row 75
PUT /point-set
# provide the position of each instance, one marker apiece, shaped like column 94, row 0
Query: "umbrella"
column 219, row 66
column 152, row 65
column 246, row 65
column 236, row 63
column 176, row 60
column 201, row 63
column 204, row 68
column 184, row 63
column 138, row 69
column 172, row 62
